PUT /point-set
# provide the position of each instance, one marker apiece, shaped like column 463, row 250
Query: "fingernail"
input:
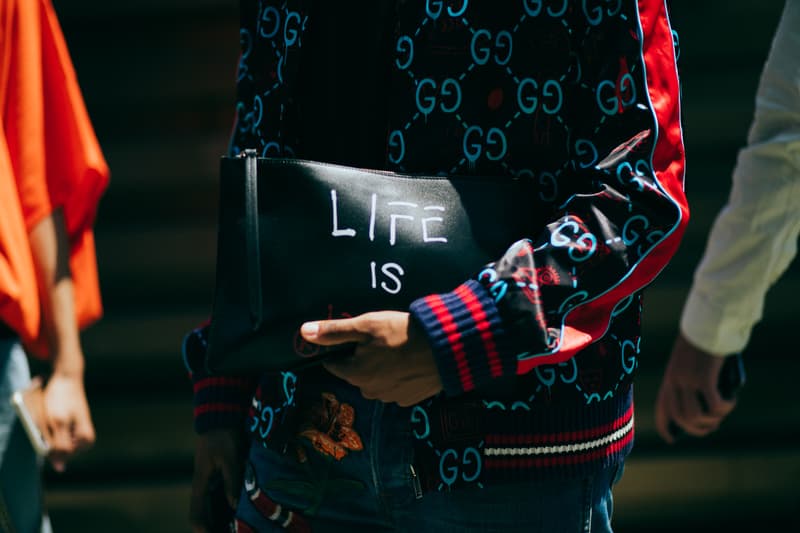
column 310, row 330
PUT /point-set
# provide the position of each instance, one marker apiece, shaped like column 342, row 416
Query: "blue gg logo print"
column 580, row 244
column 629, row 233
column 613, row 97
column 528, row 96
column 628, row 352
column 567, row 372
column 250, row 120
column 267, row 419
column 263, row 416
column 533, row 8
column 497, row 287
column 435, row 8
column 482, row 46
column 468, row 465
column 290, row 33
column 493, row 144
column 631, row 236
column 270, row 22
column 429, row 93
column 586, row 153
column 594, row 12
column 289, row 387
column 405, row 51
column 421, row 424
column 634, row 173
column 397, row 146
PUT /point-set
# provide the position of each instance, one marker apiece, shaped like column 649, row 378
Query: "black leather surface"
column 336, row 241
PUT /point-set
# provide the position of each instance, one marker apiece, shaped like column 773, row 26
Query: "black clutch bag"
column 301, row 240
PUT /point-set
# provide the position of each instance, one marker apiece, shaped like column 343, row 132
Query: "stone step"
column 142, row 409
column 752, row 491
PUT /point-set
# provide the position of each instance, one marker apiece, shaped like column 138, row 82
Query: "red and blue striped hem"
column 221, row 402
column 551, row 450
column 465, row 331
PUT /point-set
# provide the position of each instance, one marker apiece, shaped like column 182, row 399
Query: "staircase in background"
column 158, row 79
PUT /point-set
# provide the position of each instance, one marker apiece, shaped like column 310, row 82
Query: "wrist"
column 68, row 364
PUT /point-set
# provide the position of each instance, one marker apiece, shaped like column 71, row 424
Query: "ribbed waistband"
column 460, row 445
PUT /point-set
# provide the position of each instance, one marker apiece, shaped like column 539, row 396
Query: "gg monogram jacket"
column 537, row 351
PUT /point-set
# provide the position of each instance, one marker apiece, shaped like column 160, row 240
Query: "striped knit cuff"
column 221, row 402
column 466, row 334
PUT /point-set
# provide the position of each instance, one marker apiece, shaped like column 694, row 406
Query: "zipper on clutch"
column 415, row 481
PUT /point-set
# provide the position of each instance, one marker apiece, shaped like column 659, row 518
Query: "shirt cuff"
column 712, row 329
column 466, row 334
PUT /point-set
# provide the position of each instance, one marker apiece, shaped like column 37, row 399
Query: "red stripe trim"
column 560, row 438
column 219, row 408
column 445, row 318
column 503, row 463
column 588, row 322
column 475, row 308
column 218, row 381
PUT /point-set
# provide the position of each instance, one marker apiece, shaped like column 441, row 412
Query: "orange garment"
column 49, row 158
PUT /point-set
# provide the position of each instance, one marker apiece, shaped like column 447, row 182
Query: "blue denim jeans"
column 374, row 488
column 20, row 468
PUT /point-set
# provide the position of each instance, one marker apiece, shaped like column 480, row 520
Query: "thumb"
column 84, row 432
column 332, row 332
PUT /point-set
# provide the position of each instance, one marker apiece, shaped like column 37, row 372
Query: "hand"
column 392, row 361
column 217, row 456
column 689, row 394
column 67, row 420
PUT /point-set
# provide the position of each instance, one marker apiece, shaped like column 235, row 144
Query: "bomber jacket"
column 538, row 350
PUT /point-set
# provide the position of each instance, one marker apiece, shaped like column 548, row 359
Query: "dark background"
column 158, row 78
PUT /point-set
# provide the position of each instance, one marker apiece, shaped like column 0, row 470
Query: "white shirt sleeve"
column 754, row 238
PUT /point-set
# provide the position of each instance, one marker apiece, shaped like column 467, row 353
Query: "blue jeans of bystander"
column 20, row 468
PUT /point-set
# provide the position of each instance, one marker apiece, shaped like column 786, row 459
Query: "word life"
column 407, row 219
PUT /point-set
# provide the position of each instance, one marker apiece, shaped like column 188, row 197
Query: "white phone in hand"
column 21, row 400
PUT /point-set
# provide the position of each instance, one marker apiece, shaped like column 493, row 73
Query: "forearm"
column 50, row 251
